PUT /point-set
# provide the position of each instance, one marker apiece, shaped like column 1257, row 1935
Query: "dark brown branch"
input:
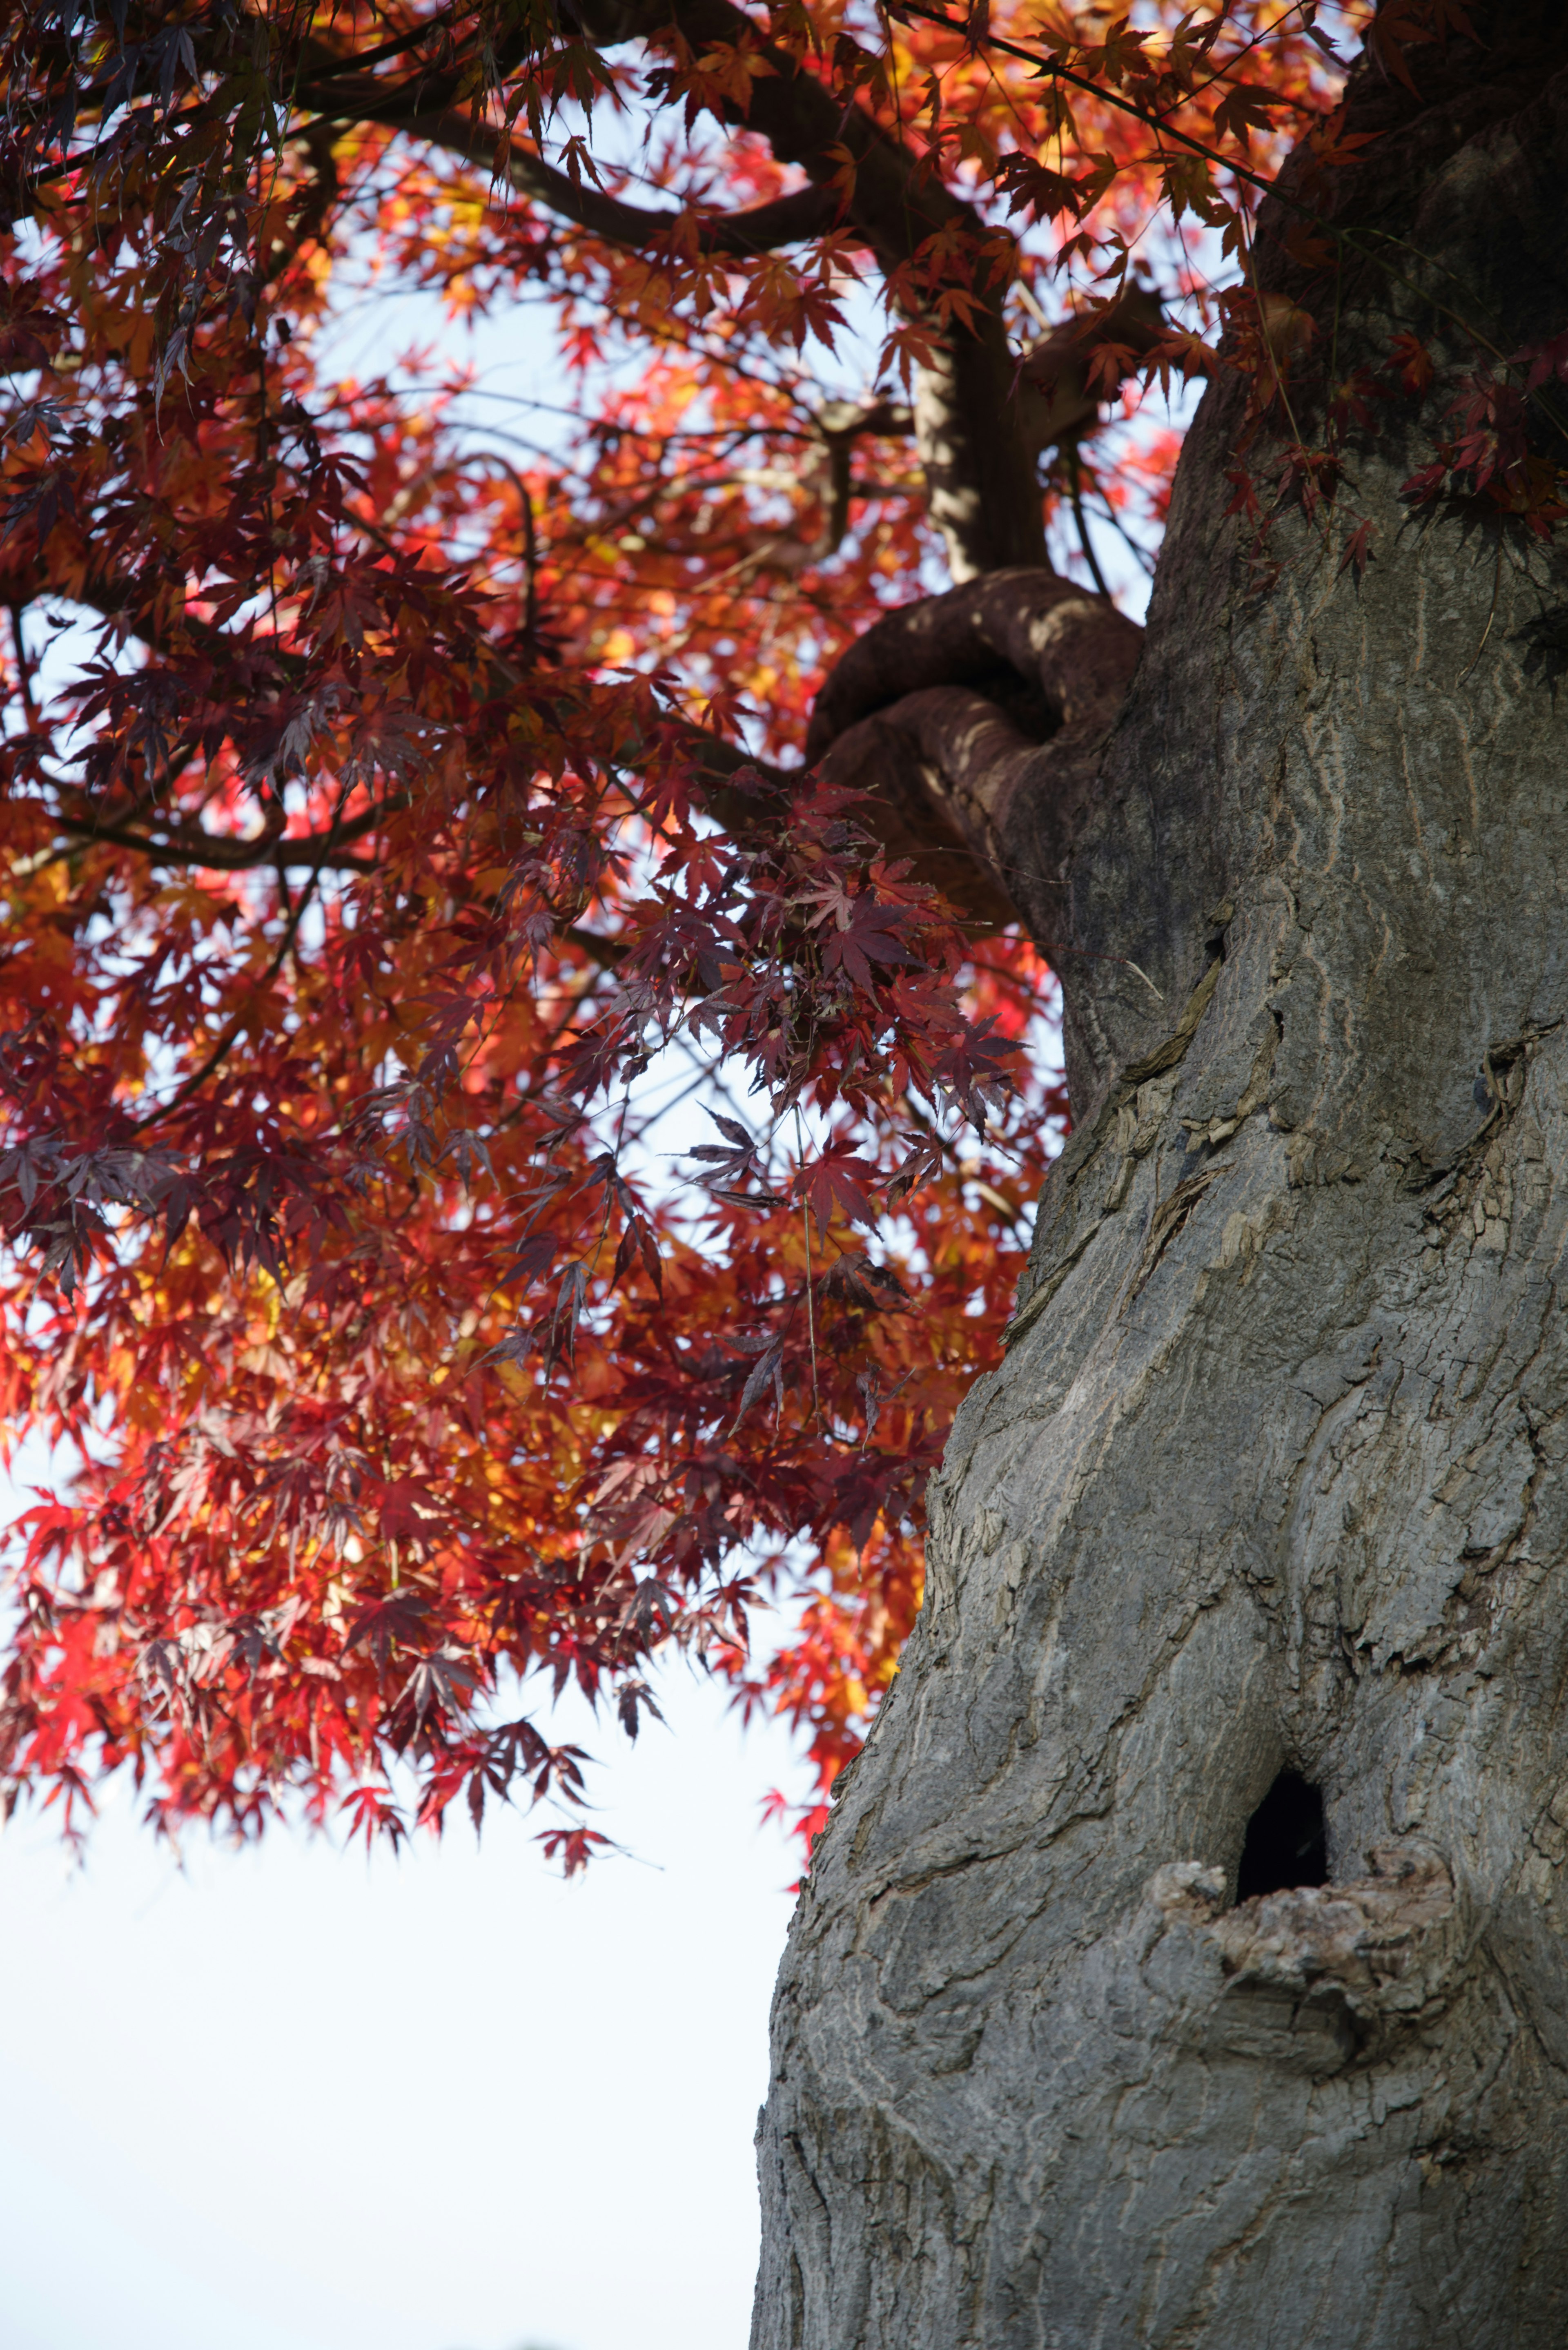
column 1020, row 631
column 608, row 953
column 982, row 493
column 24, row 667
column 758, row 802
column 189, row 845
column 788, row 220
column 978, row 420
column 977, row 721
column 979, row 471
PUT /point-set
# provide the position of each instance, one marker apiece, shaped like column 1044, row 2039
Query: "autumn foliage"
column 501, row 1172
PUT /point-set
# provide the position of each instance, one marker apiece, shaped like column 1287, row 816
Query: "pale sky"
column 289, row 2100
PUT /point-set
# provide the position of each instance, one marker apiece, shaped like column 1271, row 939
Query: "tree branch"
column 980, row 470
column 976, row 722
column 189, row 844
column 982, row 488
column 980, row 421
column 788, row 220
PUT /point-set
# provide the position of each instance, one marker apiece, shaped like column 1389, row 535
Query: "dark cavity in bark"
column 1286, row 1843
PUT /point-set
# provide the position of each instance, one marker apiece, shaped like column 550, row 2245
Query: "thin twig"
column 1075, row 491
column 1059, row 72
column 221, row 1048
column 23, row 676
column 810, row 1310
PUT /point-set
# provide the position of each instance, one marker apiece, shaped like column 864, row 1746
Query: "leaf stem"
column 810, row 1309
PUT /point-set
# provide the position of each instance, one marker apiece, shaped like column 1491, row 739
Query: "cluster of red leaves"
column 407, row 1359
column 1487, row 452
column 361, row 894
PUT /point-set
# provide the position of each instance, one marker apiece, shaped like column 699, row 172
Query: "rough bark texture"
column 1273, row 1476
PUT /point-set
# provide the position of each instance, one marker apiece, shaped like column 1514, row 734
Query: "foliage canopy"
column 427, row 810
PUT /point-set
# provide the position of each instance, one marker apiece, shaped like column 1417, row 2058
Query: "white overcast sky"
column 285, row 2099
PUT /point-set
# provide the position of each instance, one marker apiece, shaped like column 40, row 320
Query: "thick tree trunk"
column 1272, row 1477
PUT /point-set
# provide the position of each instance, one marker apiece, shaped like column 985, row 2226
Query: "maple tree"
column 428, row 793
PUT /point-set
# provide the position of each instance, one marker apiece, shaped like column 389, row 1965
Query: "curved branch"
column 189, row 845
column 787, row 220
column 977, row 722
column 980, row 468
column 1072, row 648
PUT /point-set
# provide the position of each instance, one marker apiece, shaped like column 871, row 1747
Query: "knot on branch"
column 976, row 720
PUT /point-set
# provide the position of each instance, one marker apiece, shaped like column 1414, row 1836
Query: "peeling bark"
column 1274, row 1474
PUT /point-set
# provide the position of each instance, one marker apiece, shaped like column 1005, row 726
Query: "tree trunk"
column 1272, row 1478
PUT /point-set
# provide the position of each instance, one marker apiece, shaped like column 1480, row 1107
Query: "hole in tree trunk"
column 1286, row 1842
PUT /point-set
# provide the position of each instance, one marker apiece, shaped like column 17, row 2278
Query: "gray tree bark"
column 1273, row 1476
